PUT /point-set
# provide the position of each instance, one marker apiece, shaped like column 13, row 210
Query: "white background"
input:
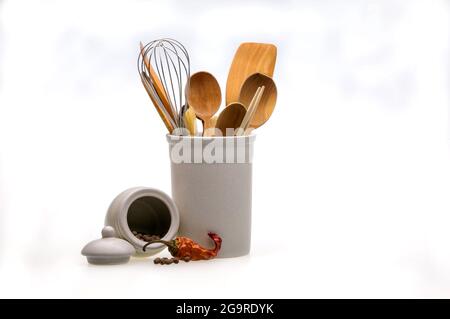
column 351, row 173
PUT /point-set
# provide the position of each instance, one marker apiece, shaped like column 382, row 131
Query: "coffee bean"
column 187, row 259
column 169, row 261
column 145, row 237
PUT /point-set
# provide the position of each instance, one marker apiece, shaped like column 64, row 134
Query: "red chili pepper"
column 182, row 247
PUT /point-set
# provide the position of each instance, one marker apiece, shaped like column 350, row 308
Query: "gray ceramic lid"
column 108, row 250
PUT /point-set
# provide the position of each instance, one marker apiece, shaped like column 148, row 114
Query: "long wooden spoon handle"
column 209, row 125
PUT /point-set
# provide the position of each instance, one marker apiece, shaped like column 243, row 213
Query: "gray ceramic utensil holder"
column 212, row 189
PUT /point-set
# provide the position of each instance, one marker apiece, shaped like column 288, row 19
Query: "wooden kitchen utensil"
column 231, row 117
column 189, row 121
column 268, row 100
column 204, row 97
column 163, row 114
column 249, row 58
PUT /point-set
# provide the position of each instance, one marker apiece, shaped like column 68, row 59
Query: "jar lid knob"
column 108, row 232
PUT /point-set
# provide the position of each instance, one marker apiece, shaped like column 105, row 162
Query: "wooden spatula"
column 249, row 58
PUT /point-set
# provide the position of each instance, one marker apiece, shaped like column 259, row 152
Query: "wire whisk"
column 164, row 68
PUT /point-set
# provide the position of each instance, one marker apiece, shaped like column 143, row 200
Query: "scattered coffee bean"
column 169, row 261
column 187, row 259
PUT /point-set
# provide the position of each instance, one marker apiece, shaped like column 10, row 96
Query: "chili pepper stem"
column 169, row 244
column 217, row 242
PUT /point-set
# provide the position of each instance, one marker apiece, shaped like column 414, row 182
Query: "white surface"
column 352, row 172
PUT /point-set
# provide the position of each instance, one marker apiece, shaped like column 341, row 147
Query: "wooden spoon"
column 204, row 97
column 231, row 117
column 267, row 102
column 249, row 58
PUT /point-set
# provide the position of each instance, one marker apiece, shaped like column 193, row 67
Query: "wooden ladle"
column 231, row 117
column 204, row 96
column 268, row 99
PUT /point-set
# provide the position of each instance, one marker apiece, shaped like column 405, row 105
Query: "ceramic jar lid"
column 108, row 250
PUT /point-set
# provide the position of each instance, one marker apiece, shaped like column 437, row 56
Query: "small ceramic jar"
column 147, row 211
